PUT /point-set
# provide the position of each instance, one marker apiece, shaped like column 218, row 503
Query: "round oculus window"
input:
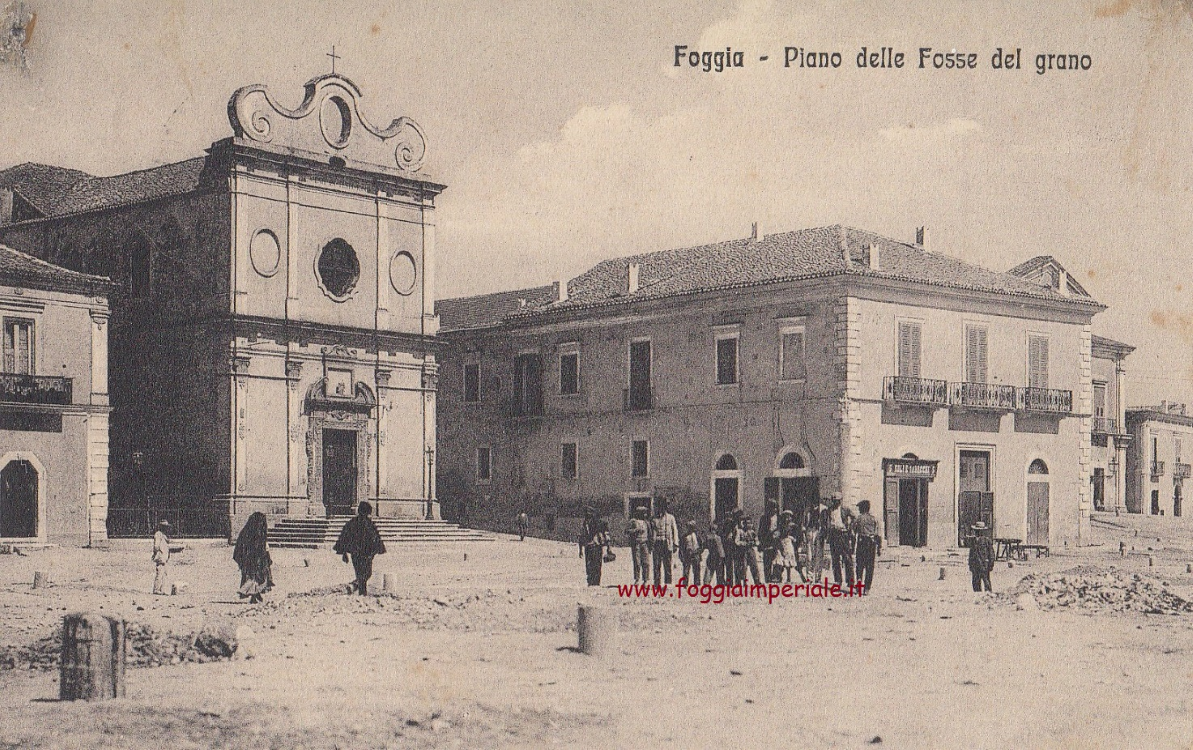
column 338, row 269
column 402, row 273
column 335, row 120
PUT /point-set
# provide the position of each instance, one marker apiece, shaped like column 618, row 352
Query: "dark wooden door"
column 1037, row 513
column 913, row 512
column 640, row 395
column 799, row 495
column 890, row 521
column 18, row 500
column 726, row 497
column 974, row 501
column 339, row 471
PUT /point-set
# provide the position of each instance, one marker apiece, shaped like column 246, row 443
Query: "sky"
column 566, row 134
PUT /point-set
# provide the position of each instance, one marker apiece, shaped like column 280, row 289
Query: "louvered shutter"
column 1037, row 362
column 909, row 350
column 975, row 354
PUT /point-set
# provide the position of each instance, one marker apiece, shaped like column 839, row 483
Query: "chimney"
column 875, row 262
column 632, row 278
column 561, row 290
column 843, row 243
column 1164, row 407
column 754, row 231
column 1062, row 282
column 921, row 237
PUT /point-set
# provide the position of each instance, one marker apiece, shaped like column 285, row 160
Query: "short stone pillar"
column 40, row 579
column 389, row 583
column 597, row 628
column 93, row 657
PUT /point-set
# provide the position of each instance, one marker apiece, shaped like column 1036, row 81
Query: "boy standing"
column 689, row 553
column 869, row 544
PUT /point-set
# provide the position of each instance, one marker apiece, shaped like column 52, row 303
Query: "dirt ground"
column 480, row 652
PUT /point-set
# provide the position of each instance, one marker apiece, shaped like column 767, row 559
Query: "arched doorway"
column 726, row 487
column 791, row 485
column 1037, row 502
column 18, row 500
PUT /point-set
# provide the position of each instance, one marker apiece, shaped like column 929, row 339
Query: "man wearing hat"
column 981, row 557
column 161, row 556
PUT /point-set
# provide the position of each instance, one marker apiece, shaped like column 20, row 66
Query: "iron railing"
column 1105, row 425
column 1181, row 471
column 35, row 389
column 906, row 390
column 1157, row 468
column 983, row 396
column 1050, row 400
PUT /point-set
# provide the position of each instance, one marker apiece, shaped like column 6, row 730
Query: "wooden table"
column 1005, row 548
column 1041, row 549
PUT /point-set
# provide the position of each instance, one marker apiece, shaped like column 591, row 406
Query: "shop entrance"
column 905, row 506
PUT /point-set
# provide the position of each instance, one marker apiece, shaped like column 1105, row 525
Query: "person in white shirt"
column 161, row 556
column 665, row 538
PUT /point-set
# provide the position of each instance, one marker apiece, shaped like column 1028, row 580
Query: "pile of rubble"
column 147, row 647
column 1093, row 588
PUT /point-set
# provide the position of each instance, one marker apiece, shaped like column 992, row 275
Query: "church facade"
column 273, row 333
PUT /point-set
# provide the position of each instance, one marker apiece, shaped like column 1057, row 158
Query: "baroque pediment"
column 328, row 121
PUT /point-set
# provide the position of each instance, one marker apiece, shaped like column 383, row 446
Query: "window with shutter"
column 1099, row 399
column 727, row 360
column 1037, row 361
column 792, row 363
column 975, row 354
column 909, row 349
column 18, row 346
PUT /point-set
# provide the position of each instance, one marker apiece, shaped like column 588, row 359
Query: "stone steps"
column 313, row 533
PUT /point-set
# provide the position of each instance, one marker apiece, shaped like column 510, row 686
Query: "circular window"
column 335, row 120
column 338, row 269
column 402, row 273
column 265, row 253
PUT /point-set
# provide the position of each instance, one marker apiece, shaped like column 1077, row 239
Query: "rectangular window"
column 569, row 373
column 639, row 394
column 569, row 467
column 18, row 346
column 640, row 458
column 909, row 349
column 484, row 464
column 726, row 360
column 528, row 385
column 975, row 354
column 1099, row 399
column 1176, row 457
column 472, row 383
column 791, row 354
column 1037, row 361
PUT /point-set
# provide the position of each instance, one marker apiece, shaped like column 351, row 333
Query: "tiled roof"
column 1107, row 343
column 1029, row 269
column 788, row 256
column 23, row 270
column 55, row 191
column 489, row 309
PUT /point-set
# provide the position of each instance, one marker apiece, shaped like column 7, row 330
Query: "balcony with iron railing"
column 1181, row 471
column 1047, row 400
column 921, row 391
column 1105, row 425
column 1157, row 468
column 983, row 396
column 35, row 389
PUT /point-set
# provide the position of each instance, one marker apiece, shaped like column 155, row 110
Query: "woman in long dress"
column 252, row 555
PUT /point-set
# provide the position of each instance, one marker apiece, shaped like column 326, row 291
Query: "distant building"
column 788, row 366
column 1158, row 461
column 53, row 402
column 1110, row 438
column 273, row 329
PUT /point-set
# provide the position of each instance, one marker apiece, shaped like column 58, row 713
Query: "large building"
column 273, row 329
column 1158, row 463
column 789, row 366
column 53, row 403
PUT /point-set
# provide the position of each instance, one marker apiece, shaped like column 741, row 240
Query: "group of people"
column 801, row 541
column 359, row 542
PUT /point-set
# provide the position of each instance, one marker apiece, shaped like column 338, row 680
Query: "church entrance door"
column 339, row 472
